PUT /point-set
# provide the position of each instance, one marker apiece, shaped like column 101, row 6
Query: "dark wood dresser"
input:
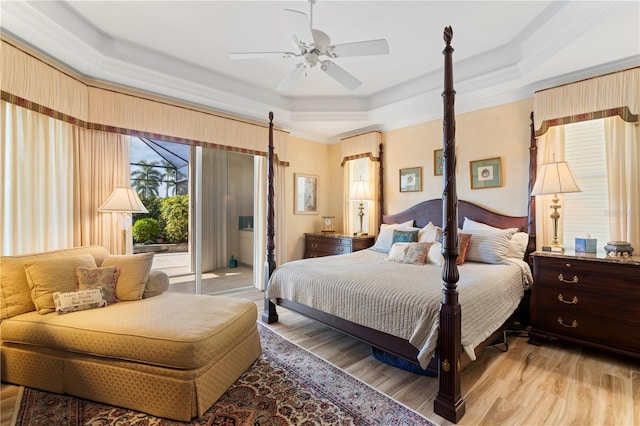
column 588, row 299
column 327, row 244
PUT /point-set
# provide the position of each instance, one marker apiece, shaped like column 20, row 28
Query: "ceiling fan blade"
column 340, row 75
column 301, row 26
column 360, row 48
column 262, row 55
column 291, row 78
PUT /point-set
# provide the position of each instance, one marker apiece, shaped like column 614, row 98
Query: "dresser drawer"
column 319, row 245
column 584, row 326
column 315, row 242
column 565, row 274
column 570, row 301
column 324, row 250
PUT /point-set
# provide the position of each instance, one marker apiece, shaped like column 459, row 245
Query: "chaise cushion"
column 174, row 330
column 48, row 276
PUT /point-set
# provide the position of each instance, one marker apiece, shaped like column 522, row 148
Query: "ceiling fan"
column 311, row 44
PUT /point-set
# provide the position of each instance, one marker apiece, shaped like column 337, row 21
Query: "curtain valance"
column 360, row 146
column 605, row 96
column 40, row 86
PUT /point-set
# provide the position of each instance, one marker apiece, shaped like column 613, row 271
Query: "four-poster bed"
column 448, row 319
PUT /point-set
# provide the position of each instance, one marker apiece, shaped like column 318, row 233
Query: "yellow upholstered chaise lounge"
column 167, row 354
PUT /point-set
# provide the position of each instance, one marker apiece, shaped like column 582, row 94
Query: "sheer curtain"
column 550, row 149
column 623, row 164
column 36, row 164
column 101, row 164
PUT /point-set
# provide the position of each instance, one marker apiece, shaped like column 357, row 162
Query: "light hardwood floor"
column 554, row 384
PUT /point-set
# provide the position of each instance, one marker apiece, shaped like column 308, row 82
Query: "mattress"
column 173, row 330
column 402, row 299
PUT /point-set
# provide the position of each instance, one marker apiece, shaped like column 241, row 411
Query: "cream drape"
column 36, row 172
column 550, row 149
column 622, row 142
column 101, row 163
column 612, row 94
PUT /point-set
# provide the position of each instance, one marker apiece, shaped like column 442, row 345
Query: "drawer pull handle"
column 315, row 245
column 574, row 324
column 340, row 249
column 573, row 281
column 573, row 301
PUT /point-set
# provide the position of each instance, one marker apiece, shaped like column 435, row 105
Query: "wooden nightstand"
column 327, row 244
column 587, row 299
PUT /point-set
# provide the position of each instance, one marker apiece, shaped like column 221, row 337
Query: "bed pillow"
column 50, row 275
column 134, row 273
column 417, row 253
column 489, row 246
column 517, row 245
column 105, row 277
column 402, row 236
column 429, row 232
column 385, row 237
column 79, row 300
column 434, row 256
column 397, row 252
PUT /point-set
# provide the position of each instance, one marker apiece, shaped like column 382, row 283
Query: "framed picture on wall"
column 437, row 162
column 411, row 179
column 306, row 194
column 485, row 173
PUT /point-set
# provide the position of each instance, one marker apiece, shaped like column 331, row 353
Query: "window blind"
column 586, row 212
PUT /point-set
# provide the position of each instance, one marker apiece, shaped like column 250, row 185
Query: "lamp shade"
column 359, row 191
column 555, row 178
column 123, row 200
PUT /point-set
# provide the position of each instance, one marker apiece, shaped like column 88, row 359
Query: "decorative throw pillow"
column 397, row 252
column 417, row 253
column 402, row 236
column 50, row 275
column 464, row 240
column 134, row 273
column 104, row 277
column 489, row 246
column 385, row 237
column 79, row 300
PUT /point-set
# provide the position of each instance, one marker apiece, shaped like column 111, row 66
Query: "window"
column 586, row 212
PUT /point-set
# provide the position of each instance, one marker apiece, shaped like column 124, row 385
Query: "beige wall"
column 309, row 158
column 501, row 131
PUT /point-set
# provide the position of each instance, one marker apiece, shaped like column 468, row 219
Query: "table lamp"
column 554, row 178
column 360, row 193
column 124, row 201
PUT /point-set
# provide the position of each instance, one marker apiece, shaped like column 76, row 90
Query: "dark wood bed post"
column 381, row 186
column 269, row 315
column 449, row 403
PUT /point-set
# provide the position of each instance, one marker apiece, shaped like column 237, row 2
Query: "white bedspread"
column 403, row 300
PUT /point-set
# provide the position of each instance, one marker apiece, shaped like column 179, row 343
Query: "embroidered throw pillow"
column 402, row 236
column 417, row 253
column 79, row 300
column 105, row 277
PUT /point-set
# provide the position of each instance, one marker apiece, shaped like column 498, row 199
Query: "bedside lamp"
column 555, row 178
column 123, row 201
column 360, row 193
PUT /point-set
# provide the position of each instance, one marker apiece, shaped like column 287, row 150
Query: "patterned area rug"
column 287, row 385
